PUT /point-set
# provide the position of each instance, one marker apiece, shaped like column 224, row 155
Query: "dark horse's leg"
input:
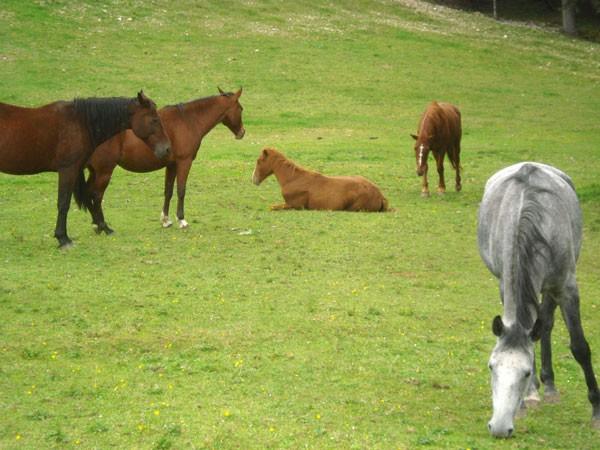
column 579, row 346
column 96, row 185
column 183, row 170
column 547, row 309
column 66, row 182
column 170, row 173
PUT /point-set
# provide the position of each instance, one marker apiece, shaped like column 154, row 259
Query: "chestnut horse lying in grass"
column 186, row 124
column 305, row 189
column 439, row 131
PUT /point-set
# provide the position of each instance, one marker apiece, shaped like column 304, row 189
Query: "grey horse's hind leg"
column 580, row 348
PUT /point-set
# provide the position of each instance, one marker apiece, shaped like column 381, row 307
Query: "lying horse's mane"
column 103, row 117
column 288, row 163
column 531, row 244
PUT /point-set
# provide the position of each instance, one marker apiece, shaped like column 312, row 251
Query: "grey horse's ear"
column 536, row 331
column 497, row 326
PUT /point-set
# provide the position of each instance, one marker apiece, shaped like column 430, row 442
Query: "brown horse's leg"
column 457, row 160
column 170, row 173
column 183, row 170
column 439, row 159
column 97, row 183
column 66, row 183
column 280, row 207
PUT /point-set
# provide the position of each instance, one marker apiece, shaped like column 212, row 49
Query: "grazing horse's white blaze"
column 166, row 222
column 255, row 178
column 511, row 371
column 421, row 151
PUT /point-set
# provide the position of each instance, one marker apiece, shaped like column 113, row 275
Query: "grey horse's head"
column 511, row 366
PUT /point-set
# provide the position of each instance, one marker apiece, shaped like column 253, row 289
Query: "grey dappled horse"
column 529, row 237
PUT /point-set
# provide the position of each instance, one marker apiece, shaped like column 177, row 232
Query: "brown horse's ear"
column 221, row 91
column 497, row 326
column 238, row 93
column 265, row 152
column 144, row 101
column 414, row 136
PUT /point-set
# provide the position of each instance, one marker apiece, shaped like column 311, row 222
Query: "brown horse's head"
column 146, row 125
column 264, row 165
column 421, row 153
column 233, row 114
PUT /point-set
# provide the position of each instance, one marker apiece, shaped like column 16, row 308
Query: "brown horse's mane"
column 181, row 105
column 103, row 117
column 286, row 163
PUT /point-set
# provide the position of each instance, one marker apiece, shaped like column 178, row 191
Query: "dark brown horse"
column 439, row 132
column 61, row 136
column 186, row 124
column 305, row 189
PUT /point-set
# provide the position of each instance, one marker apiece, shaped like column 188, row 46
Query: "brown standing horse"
column 186, row 124
column 439, row 131
column 61, row 136
column 305, row 189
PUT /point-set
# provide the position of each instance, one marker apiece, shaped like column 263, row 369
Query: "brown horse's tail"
column 81, row 193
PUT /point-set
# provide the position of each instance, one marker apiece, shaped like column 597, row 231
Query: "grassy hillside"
column 260, row 329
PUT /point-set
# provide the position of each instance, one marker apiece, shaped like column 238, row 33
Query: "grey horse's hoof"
column 552, row 397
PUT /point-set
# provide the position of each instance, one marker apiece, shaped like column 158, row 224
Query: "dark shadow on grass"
column 545, row 13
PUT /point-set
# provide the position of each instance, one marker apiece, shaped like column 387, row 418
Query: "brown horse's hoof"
column 596, row 423
column 425, row 194
column 441, row 191
column 458, row 188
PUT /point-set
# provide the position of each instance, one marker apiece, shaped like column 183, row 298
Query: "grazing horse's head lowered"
column 233, row 115
column 146, row 124
column 511, row 367
column 529, row 236
column 421, row 153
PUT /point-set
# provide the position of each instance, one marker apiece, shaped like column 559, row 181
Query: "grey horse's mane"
column 531, row 245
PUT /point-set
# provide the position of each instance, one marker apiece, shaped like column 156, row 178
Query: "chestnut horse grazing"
column 439, row 132
column 305, row 189
column 186, row 124
column 61, row 136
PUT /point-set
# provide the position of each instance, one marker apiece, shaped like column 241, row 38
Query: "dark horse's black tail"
column 81, row 193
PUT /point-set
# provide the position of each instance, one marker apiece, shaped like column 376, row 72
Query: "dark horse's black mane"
column 103, row 117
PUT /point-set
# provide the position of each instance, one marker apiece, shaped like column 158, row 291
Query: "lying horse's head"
column 512, row 370
column 264, row 165
column 421, row 153
column 233, row 114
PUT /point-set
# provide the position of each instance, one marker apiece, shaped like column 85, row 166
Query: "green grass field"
column 297, row 329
